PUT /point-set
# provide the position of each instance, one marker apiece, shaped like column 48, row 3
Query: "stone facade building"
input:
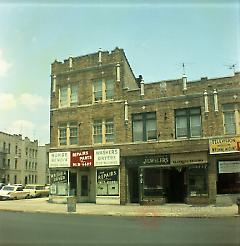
column 19, row 160
column 116, row 139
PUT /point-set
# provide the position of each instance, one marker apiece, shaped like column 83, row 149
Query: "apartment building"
column 115, row 139
column 19, row 160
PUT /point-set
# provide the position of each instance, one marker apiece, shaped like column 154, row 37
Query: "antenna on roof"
column 233, row 67
column 183, row 68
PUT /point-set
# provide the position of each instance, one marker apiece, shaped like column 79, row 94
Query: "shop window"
column 59, row 184
column 152, row 186
column 228, row 181
column 103, row 131
column 197, row 181
column 103, row 90
column 188, row 122
column 107, row 182
column 231, row 119
column 144, row 126
column 68, row 133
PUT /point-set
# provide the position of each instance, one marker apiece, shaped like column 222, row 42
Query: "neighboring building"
column 117, row 140
column 19, row 161
column 42, row 168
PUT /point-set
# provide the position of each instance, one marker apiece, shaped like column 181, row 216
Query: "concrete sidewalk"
column 42, row 205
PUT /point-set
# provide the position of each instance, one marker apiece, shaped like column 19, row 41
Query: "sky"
column 157, row 37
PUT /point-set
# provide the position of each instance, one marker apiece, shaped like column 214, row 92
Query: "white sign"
column 106, row 157
column 229, row 166
column 59, row 159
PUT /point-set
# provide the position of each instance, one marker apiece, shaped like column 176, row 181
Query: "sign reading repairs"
column 224, row 145
column 106, row 157
column 83, row 158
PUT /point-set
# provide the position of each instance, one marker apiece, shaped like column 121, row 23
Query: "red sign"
column 83, row 158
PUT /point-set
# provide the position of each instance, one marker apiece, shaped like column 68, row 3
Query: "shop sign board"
column 58, row 176
column 229, row 166
column 189, row 158
column 59, row 159
column 107, row 175
column 156, row 159
column 82, row 158
column 106, row 157
column 224, row 145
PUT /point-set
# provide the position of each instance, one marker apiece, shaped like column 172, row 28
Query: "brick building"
column 116, row 139
column 18, row 159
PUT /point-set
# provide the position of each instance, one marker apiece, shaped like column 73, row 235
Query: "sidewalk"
column 42, row 205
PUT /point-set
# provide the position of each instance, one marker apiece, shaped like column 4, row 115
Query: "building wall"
column 21, row 162
column 162, row 97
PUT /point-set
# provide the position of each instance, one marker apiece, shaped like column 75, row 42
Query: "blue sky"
column 157, row 38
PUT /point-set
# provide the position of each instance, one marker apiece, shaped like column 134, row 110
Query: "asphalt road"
column 17, row 228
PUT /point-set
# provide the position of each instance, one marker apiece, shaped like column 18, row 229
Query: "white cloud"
column 4, row 65
column 7, row 101
column 32, row 102
column 24, row 127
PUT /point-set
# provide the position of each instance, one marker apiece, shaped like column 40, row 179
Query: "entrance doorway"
column 133, row 185
column 84, row 187
column 176, row 189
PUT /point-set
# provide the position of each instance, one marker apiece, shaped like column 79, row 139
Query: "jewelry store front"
column 175, row 178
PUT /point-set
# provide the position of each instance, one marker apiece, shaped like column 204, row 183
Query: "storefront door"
column 176, row 189
column 133, row 185
column 84, row 187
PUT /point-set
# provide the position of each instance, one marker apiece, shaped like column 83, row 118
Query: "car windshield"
column 8, row 188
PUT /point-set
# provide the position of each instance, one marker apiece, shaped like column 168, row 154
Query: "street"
column 17, row 228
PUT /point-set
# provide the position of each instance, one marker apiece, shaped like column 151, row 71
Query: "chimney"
column 118, row 72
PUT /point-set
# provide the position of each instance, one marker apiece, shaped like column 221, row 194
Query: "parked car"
column 1, row 185
column 13, row 192
column 36, row 190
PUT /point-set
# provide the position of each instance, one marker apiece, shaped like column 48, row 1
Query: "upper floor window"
column 68, row 133
column 68, row 95
column 188, row 122
column 63, row 96
column 103, row 90
column 144, row 126
column 231, row 119
column 103, row 131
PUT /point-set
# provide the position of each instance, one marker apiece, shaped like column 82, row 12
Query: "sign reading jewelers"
column 106, row 157
column 224, row 145
column 59, row 159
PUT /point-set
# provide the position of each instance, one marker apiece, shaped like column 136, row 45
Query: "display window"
column 59, row 183
column 107, row 182
column 152, row 183
column 197, row 181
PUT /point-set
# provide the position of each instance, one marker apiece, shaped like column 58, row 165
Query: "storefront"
column 60, row 186
column 226, row 154
column 176, row 178
column 107, row 163
column 72, row 174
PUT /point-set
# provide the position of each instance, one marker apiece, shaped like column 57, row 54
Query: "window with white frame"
column 188, row 122
column 231, row 119
column 68, row 133
column 63, row 96
column 73, row 131
column 103, row 131
column 68, row 95
column 103, row 90
column 74, row 94
column 144, row 126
